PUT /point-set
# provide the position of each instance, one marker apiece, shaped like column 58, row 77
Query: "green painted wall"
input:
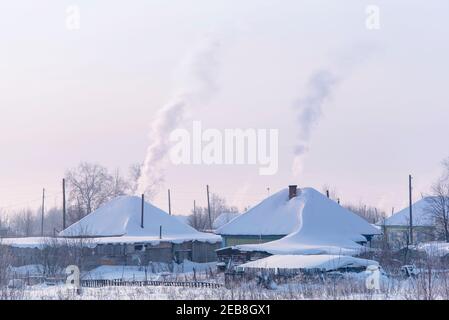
column 236, row 240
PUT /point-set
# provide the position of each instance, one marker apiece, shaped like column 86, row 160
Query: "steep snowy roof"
column 316, row 225
column 121, row 218
column 183, row 219
column 420, row 215
column 277, row 215
column 322, row 262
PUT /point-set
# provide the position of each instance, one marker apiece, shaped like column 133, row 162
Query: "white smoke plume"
column 196, row 85
column 320, row 87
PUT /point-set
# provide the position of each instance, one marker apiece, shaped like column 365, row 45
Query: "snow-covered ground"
column 155, row 271
column 349, row 288
column 322, row 262
column 433, row 249
column 340, row 286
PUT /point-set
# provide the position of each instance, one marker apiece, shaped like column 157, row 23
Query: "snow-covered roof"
column 421, row 216
column 322, row 262
column 277, row 215
column 183, row 219
column 317, row 225
column 121, row 218
column 42, row 242
column 224, row 218
column 39, row 242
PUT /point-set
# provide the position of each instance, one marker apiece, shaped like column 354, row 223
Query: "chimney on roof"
column 292, row 191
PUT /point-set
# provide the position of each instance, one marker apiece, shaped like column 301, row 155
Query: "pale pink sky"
column 90, row 94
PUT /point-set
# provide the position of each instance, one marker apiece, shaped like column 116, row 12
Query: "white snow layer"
column 322, row 262
column 421, row 217
column 434, row 248
column 315, row 224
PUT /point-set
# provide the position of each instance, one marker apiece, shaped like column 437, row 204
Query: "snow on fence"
column 98, row 283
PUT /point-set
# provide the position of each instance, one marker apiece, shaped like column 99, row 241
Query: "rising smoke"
column 319, row 89
column 196, row 86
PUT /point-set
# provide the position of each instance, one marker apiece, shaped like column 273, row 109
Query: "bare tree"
column 53, row 221
column 134, row 174
column 24, row 223
column 89, row 186
column 218, row 205
column 438, row 208
column 370, row 214
column 438, row 203
column 119, row 185
column 199, row 219
column 4, row 224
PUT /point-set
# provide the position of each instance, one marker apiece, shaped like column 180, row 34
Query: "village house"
column 270, row 220
column 306, row 223
column 126, row 231
column 396, row 228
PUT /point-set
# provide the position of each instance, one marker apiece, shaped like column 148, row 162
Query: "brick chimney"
column 292, row 191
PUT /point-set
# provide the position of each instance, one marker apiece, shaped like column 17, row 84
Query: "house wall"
column 123, row 254
column 397, row 235
column 234, row 240
column 204, row 251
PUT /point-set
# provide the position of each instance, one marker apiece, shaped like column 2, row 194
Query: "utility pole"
column 169, row 203
column 43, row 211
column 208, row 207
column 411, row 207
column 63, row 206
column 194, row 217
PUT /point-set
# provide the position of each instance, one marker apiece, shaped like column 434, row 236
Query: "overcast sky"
column 90, row 94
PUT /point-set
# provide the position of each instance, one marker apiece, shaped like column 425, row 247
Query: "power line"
column 26, row 202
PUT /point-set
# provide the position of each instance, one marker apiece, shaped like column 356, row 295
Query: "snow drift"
column 306, row 262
